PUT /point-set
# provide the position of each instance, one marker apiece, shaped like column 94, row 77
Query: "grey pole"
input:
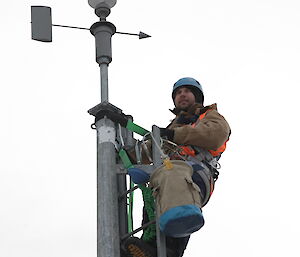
column 108, row 243
column 104, row 81
column 157, row 161
column 108, row 235
column 103, row 32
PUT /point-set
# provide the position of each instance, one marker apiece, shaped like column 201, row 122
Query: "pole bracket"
column 106, row 109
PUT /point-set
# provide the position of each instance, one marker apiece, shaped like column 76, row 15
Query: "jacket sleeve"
column 209, row 133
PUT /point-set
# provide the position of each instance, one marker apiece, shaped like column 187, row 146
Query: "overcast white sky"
column 246, row 56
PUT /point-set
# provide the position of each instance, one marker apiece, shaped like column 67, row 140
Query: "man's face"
column 184, row 98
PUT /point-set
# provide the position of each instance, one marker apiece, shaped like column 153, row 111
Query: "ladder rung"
column 137, row 230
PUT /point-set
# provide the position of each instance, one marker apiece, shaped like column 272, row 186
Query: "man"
column 201, row 131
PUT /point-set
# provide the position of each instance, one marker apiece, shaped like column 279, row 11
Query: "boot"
column 136, row 247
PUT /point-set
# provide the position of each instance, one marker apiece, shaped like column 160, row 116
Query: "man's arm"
column 209, row 133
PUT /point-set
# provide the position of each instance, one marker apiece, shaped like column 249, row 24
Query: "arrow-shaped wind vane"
column 41, row 25
column 141, row 35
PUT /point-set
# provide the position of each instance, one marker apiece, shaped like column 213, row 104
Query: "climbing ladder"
column 124, row 127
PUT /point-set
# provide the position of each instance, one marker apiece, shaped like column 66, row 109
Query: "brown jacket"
column 209, row 133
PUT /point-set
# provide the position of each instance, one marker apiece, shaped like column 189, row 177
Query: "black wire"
column 71, row 27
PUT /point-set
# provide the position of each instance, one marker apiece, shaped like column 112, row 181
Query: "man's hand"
column 167, row 134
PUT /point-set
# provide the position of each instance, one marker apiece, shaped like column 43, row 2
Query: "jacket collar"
column 194, row 109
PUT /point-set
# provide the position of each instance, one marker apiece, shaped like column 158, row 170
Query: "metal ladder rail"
column 157, row 161
column 123, row 191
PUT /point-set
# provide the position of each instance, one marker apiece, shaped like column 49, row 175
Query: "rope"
column 130, row 208
column 149, row 232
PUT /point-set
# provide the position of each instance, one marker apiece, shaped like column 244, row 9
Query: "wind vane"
column 41, row 25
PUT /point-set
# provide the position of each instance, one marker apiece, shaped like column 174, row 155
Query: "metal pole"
column 103, row 32
column 127, row 137
column 160, row 237
column 104, row 81
column 108, row 243
column 108, row 235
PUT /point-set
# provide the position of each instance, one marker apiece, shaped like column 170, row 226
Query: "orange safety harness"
column 188, row 150
column 191, row 152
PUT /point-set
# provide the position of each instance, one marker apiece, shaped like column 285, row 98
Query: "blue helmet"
column 191, row 83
